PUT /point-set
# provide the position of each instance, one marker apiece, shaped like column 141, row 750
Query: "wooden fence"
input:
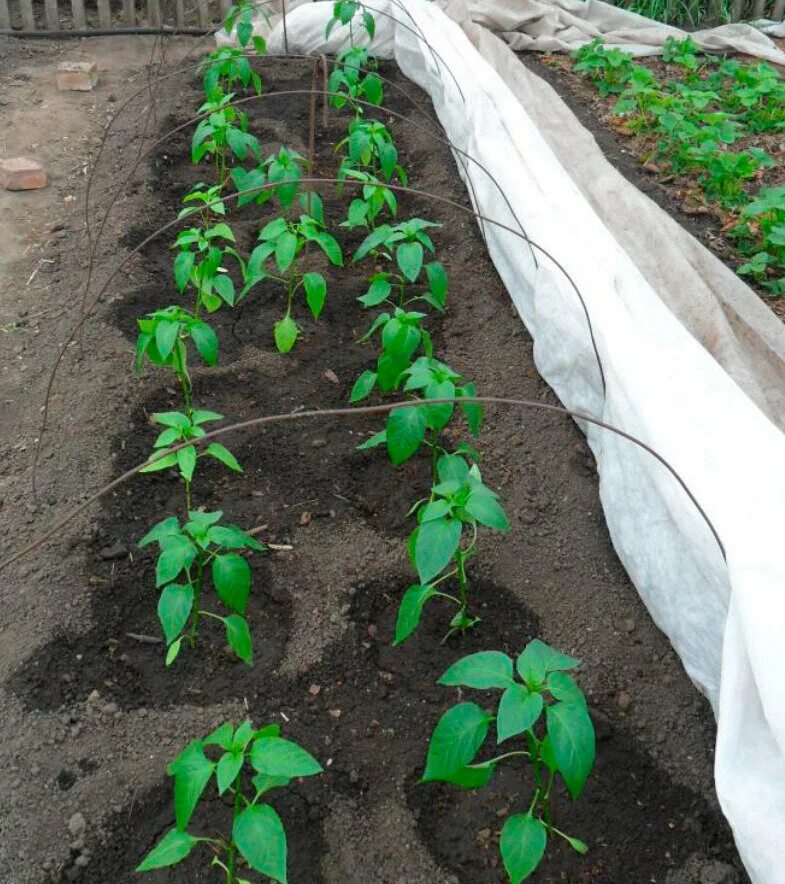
column 55, row 15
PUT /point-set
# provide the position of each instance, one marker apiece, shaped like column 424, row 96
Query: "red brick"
column 21, row 173
column 77, row 76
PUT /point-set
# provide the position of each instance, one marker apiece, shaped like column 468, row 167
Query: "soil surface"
column 678, row 195
column 89, row 717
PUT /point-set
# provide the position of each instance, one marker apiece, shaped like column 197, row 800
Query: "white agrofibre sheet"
column 725, row 618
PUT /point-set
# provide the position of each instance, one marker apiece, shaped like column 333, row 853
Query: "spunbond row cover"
column 725, row 615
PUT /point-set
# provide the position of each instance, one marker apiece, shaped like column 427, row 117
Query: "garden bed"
column 679, row 187
column 324, row 602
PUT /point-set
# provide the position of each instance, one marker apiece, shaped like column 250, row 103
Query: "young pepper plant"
column 445, row 539
column 186, row 551
column 354, row 77
column 200, row 262
column 223, row 132
column 546, row 713
column 282, row 242
column 369, row 147
column 249, row 764
column 345, row 12
column 375, row 198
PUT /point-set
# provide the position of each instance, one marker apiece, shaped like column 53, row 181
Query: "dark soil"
column 323, row 611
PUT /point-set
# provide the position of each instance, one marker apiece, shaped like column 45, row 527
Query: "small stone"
column 527, row 516
column 624, row 701
column 94, row 696
column 22, row 173
column 109, row 708
column 77, row 824
column 318, row 442
column 354, row 777
column 335, row 713
column 314, row 689
column 628, row 625
column 116, row 550
column 77, row 76
column 718, row 873
column 82, row 861
column 305, row 519
column 331, row 376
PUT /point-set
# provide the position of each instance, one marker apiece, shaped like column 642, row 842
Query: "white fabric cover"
column 725, row 619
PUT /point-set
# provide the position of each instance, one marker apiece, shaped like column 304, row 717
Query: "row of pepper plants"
column 695, row 124
column 541, row 709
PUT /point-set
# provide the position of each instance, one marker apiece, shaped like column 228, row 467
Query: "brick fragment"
column 78, row 76
column 21, row 173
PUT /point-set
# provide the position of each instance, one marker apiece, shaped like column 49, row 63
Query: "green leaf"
column 183, row 264
column 170, row 850
column 259, row 835
column 285, row 334
column 273, row 230
column 437, row 281
column 191, row 771
column 410, row 610
column 363, row 386
column 436, row 544
column 278, row 757
column 239, row 637
column 483, row 506
column 233, row 537
column 571, row 735
column 522, row 846
column 377, row 439
column 177, row 552
column 186, row 461
column 378, row 292
column 329, row 245
column 172, row 419
column 172, row 651
column 174, row 609
column 165, row 528
column 285, row 250
column 452, row 467
column 221, row 736
column 372, row 241
column 228, row 767
column 161, row 463
column 216, row 450
column 564, row 688
column 410, row 257
column 405, row 432
column 518, row 711
column 455, row 741
column 485, row 669
column 262, row 783
column 232, row 579
column 315, row 292
column 206, row 342
column 166, row 332
column 473, row 412
column 538, row 659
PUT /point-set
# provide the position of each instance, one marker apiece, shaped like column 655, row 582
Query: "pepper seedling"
column 354, row 77
column 282, row 241
column 369, row 147
column 186, row 551
column 223, row 131
column 228, row 66
column 344, row 13
column 375, row 198
column 546, row 711
column 445, row 539
column 200, row 262
column 250, row 764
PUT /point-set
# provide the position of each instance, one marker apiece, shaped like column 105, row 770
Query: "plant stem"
column 197, row 596
column 231, row 879
column 460, row 559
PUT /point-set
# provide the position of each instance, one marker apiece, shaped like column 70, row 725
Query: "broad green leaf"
column 166, row 332
column 177, row 552
column 259, row 835
column 206, row 342
column 372, row 241
column 571, row 735
column 216, row 450
column 452, row 467
column 363, row 386
column 232, row 579
column 405, row 432
column 473, row 412
column 239, row 637
column 437, row 281
column 172, row 651
column 522, row 846
column 161, row 463
column 174, row 609
column 538, row 659
column 564, row 688
column 285, row 250
column 483, row 506
column 436, row 544
column 315, row 292
column 264, row 783
column 410, row 611
column 170, row 850
column 439, row 415
column 518, row 711
column 277, row 757
column 226, row 770
column 485, row 669
column 455, row 741
column 169, row 525
column 171, row 419
column 186, row 461
column 273, row 230
column 410, row 257
column 285, row 333
column 191, row 771
column 221, row 736
column 329, row 245
column 183, row 264
column 378, row 292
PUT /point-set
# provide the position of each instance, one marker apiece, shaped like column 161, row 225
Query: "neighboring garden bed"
column 324, row 604
column 702, row 135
